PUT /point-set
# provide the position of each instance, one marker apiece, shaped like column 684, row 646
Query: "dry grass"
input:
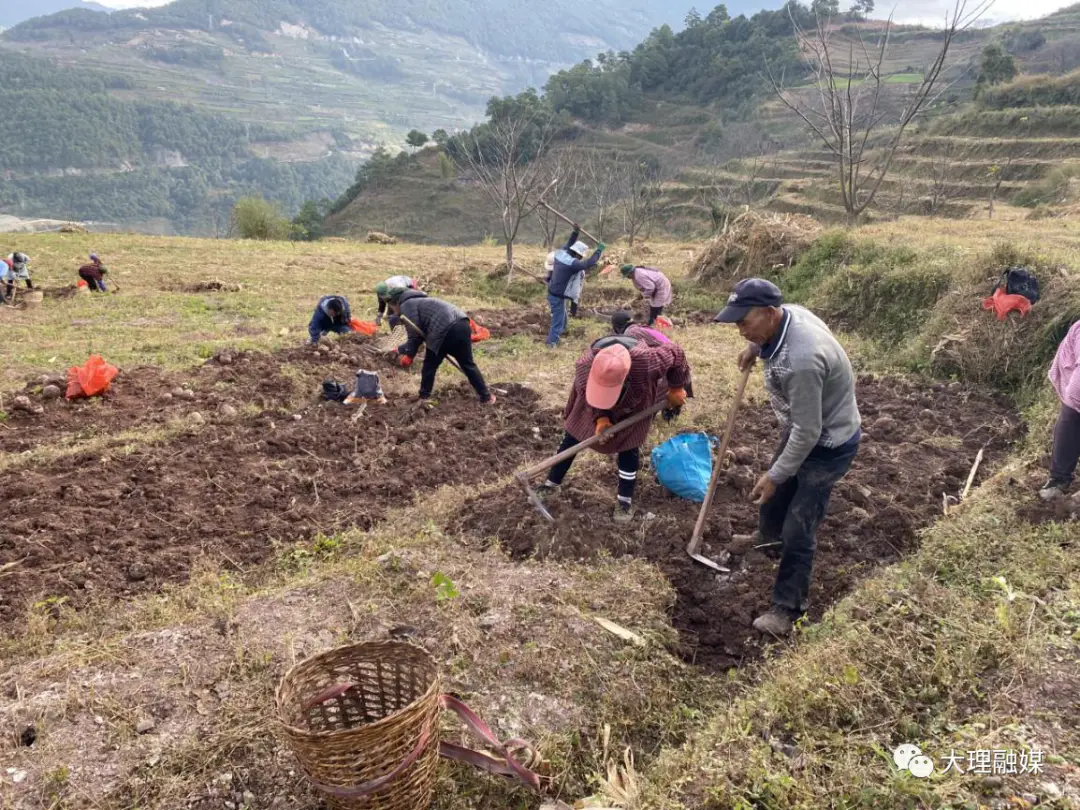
column 755, row 244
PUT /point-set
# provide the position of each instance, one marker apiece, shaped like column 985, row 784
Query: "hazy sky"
column 924, row 11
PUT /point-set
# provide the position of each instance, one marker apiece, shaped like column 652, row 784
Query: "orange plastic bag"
column 664, row 323
column 478, row 332
column 1002, row 303
column 91, row 378
column 368, row 328
column 82, row 284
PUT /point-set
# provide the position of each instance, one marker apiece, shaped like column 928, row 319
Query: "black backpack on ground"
column 1019, row 281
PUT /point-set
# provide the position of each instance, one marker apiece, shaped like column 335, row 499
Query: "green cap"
column 627, row 270
column 382, row 290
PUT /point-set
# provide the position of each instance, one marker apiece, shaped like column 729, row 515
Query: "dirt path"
column 236, row 489
column 919, row 443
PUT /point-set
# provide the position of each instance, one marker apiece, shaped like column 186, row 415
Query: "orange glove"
column 676, row 398
column 405, row 361
column 602, row 424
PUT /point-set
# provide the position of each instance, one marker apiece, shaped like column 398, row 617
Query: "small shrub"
column 258, row 218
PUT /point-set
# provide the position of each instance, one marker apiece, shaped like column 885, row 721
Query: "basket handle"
column 506, row 766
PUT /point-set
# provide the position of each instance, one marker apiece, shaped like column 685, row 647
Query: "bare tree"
column 563, row 168
column 506, row 156
column 851, row 109
column 642, row 183
column 601, row 186
column 942, row 171
column 728, row 184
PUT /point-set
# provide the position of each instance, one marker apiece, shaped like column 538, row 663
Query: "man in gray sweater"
column 811, row 386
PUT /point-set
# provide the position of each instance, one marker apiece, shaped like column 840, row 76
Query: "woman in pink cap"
column 618, row 377
column 1065, row 376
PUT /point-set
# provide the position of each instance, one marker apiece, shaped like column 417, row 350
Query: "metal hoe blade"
column 706, row 561
column 533, row 498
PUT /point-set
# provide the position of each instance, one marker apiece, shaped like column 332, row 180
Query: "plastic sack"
column 82, row 285
column 91, row 378
column 1002, row 303
column 664, row 323
column 368, row 388
column 478, row 332
column 368, row 328
column 684, row 465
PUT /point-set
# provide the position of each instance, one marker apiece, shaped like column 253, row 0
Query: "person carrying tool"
column 622, row 323
column 94, row 274
column 565, row 280
column 445, row 330
column 16, row 266
column 811, row 387
column 1065, row 377
column 615, row 378
column 331, row 315
column 653, row 285
column 382, row 292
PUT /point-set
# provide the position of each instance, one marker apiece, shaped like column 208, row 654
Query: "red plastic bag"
column 90, row 379
column 478, row 332
column 1002, row 303
column 368, row 328
column 82, row 284
column 664, row 323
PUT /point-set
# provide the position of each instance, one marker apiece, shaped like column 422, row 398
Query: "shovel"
column 695, row 540
column 524, row 476
column 569, row 221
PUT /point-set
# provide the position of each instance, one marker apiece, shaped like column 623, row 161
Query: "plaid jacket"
column 653, row 369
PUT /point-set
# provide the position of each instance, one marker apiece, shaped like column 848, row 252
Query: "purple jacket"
column 652, row 284
column 1065, row 372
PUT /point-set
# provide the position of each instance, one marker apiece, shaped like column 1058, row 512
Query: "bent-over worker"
column 1065, row 377
column 15, row 267
column 653, row 285
column 382, row 293
column 616, row 378
column 445, row 330
column 565, row 281
column 94, row 274
column 622, row 323
column 332, row 314
column 811, row 387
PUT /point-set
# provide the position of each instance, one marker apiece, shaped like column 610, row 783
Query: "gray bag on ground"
column 367, row 386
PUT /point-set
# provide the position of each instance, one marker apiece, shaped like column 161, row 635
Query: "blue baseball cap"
column 749, row 293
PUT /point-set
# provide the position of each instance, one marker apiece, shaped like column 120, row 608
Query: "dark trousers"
column 792, row 516
column 96, row 283
column 1066, row 450
column 654, row 313
column 456, row 344
column 628, row 462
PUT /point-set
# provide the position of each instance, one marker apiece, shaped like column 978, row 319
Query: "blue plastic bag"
column 684, row 465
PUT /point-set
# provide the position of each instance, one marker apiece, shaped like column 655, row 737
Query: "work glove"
column 600, row 247
column 404, row 360
column 602, row 424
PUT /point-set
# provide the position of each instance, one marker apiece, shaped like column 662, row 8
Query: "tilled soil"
column 147, row 396
column 918, row 443
column 233, row 489
column 506, row 323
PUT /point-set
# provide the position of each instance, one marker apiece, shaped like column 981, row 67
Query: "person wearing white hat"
column 568, row 268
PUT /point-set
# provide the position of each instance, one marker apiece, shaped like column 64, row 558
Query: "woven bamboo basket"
column 389, row 342
column 364, row 719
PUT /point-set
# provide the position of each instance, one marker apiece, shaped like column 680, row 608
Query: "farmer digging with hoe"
column 94, row 274
column 565, row 279
column 13, row 268
column 811, row 387
column 616, row 378
column 444, row 329
column 653, row 285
